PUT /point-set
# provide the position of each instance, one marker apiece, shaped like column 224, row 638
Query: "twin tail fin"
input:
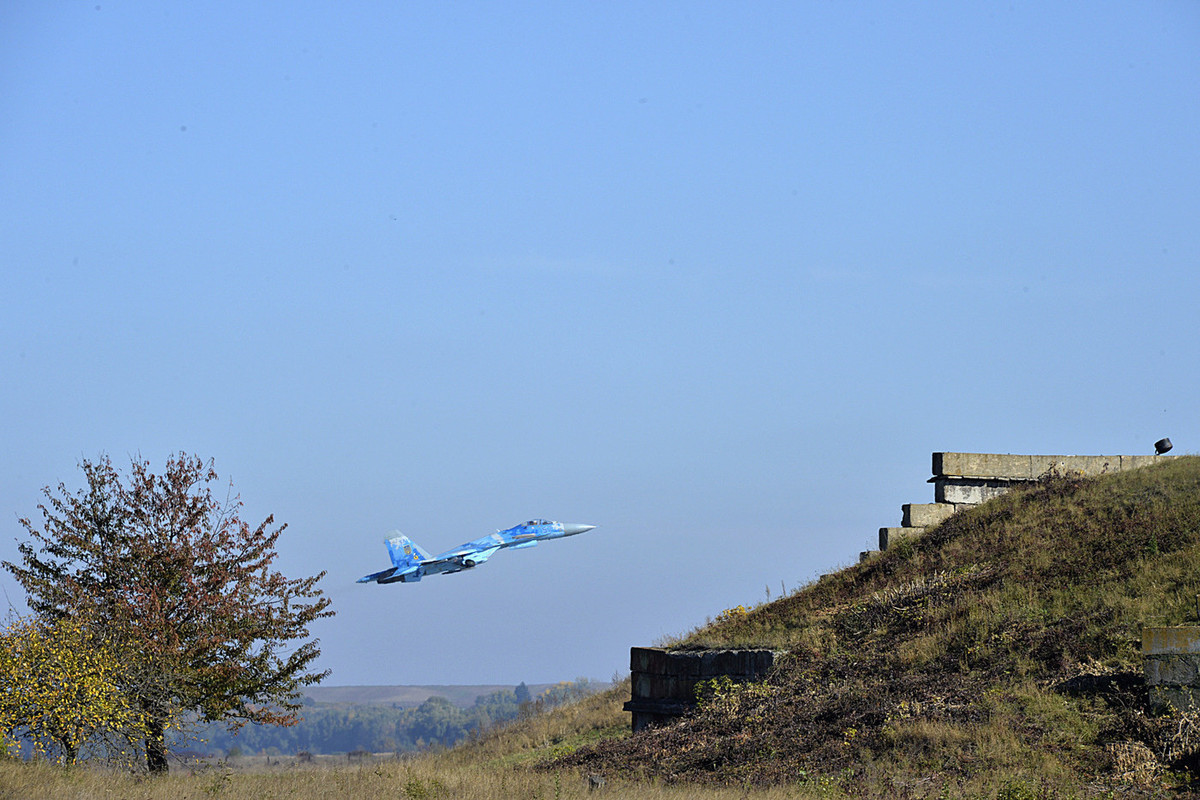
column 404, row 551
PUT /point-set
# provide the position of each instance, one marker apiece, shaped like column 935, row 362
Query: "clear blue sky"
column 715, row 277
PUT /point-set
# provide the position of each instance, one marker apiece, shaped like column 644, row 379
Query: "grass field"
column 417, row 779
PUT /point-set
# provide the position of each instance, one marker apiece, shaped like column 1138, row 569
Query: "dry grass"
column 556, row 732
column 424, row 778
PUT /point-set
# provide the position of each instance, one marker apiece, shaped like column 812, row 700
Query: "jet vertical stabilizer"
column 404, row 551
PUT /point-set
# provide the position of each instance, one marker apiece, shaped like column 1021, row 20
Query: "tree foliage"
column 61, row 687
column 169, row 572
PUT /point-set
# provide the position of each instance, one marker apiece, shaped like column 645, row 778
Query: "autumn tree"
column 62, row 687
column 168, row 571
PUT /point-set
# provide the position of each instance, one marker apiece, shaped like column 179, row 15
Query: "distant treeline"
column 342, row 728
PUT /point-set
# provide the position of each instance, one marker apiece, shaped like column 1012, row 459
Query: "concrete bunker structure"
column 964, row 480
column 664, row 681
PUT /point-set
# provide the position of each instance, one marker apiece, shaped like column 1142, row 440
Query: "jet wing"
column 463, row 553
column 393, row 575
column 483, row 555
column 469, row 549
column 374, row 576
column 465, row 556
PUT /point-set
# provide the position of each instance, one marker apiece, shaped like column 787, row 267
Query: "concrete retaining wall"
column 664, row 681
column 1029, row 468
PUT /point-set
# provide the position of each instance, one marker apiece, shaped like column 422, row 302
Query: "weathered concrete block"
column 659, row 661
column 642, row 684
column 652, row 663
column 924, row 515
column 1171, row 639
column 1094, row 465
column 690, row 664
column 982, row 465
column 890, row 537
column 1075, row 465
column 648, row 659
column 664, row 681
column 969, row 491
column 867, row 555
column 1135, row 462
column 1172, row 666
column 664, row 687
column 1027, row 468
column 1173, row 669
column 723, row 662
column 756, row 663
column 685, row 662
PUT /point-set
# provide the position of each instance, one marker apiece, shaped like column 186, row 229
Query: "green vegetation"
column 60, row 688
column 997, row 657
column 1004, row 645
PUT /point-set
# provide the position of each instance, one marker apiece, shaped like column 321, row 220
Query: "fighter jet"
column 412, row 563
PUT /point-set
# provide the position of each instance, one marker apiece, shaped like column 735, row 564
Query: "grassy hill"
column 1003, row 647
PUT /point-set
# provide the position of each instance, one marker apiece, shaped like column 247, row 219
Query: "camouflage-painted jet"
column 412, row 563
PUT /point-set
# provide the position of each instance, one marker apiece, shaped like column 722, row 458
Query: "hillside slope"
column 1003, row 645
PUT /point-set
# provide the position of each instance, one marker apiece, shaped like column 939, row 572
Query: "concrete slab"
column 1136, row 462
column 1171, row 639
column 969, row 491
column 1026, row 468
column 1075, row 465
column 924, row 515
column 983, row 465
column 890, row 537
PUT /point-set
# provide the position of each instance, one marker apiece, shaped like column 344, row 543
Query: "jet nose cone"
column 570, row 528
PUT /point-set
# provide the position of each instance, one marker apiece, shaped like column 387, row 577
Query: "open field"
column 409, row 778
